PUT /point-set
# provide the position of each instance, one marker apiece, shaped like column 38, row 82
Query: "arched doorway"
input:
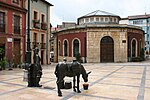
column 107, row 49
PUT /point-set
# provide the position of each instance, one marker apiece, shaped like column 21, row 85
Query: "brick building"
column 99, row 37
column 12, row 29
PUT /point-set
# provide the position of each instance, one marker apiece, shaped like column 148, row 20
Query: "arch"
column 65, row 48
column 59, row 43
column 134, row 47
column 76, row 46
column 107, row 49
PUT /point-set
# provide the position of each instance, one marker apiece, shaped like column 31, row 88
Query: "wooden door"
column 107, row 49
column 17, row 50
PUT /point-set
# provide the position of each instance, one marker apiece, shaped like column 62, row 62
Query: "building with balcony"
column 40, row 29
column 98, row 37
column 142, row 21
column 12, row 30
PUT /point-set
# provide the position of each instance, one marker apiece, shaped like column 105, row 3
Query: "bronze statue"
column 38, row 68
column 35, row 71
column 74, row 70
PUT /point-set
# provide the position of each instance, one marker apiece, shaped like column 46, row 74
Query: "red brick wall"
column 138, row 37
column 70, row 37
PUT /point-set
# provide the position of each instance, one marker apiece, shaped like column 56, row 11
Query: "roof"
column 139, row 16
column 98, row 26
column 99, row 12
column 47, row 2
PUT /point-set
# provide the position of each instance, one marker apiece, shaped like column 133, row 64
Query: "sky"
column 70, row 10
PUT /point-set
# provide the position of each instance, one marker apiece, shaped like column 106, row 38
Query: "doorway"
column 107, row 49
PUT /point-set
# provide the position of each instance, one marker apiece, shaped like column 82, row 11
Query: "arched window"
column 133, row 48
column 65, row 48
column 59, row 48
column 75, row 47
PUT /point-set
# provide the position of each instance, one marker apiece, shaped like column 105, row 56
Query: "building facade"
column 98, row 37
column 142, row 21
column 12, row 30
column 40, row 29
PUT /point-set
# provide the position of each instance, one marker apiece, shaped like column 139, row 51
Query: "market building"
column 142, row 21
column 98, row 37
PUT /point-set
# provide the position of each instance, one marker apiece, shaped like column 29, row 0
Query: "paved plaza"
column 108, row 81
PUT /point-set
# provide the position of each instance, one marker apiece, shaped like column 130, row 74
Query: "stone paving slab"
column 108, row 81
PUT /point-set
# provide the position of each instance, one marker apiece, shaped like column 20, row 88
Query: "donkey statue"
column 71, row 70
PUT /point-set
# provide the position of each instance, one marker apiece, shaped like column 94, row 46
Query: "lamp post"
column 28, row 52
column 31, row 80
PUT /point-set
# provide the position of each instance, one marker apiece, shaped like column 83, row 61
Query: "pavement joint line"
column 119, row 85
column 12, row 91
column 11, row 79
column 142, row 85
column 127, row 77
column 106, row 76
column 101, row 97
column 11, row 83
column 93, row 83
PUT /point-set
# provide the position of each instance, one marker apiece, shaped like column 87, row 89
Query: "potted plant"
column 3, row 64
column 142, row 55
column 78, row 57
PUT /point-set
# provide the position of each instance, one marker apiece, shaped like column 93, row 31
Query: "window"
column 97, row 19
column 133, row 48
column 16, row 1
column 16, row 24
column 35, row 37
column 87, row 20
column 43, row 17
column 115, row 20
column 35, row 15
column 106, row 19
column 102, row 19
column 59, row 48
column 110, row 19
column 91, row 19
column 42, row 42
column 42, row 38
column 75, row 47
column 35, row 40
column 138, row 22
column 2, row 22
column 65, row 48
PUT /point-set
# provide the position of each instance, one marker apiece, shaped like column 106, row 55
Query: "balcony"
column 35, row 44
column 36, row 23
column 43, row 45
column 44, row 26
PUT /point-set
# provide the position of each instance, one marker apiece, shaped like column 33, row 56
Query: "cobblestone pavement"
column 108, row 81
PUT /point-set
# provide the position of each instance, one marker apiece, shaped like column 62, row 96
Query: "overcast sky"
column 70, row 10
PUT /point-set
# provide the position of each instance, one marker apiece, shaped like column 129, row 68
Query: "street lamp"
column 28, row 52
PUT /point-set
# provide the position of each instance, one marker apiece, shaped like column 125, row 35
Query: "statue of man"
column 38, row 67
